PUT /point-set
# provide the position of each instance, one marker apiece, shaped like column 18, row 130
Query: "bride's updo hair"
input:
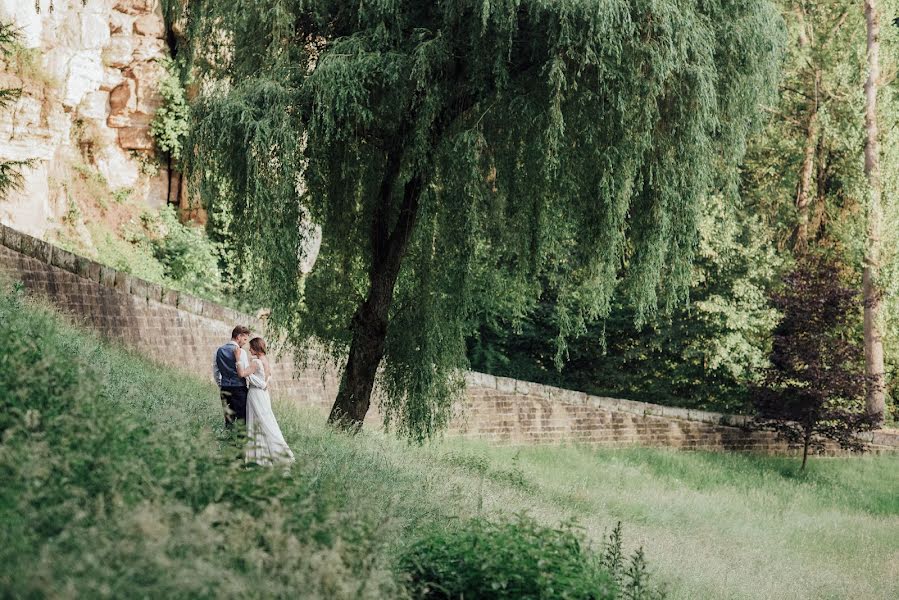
column 258, row 345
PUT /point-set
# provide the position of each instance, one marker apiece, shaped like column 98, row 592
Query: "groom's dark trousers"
column 234, row 402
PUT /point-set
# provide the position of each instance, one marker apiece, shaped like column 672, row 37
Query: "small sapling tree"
column 814, row 389
column 10, row 170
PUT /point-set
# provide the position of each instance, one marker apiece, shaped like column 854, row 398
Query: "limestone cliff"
column 89, row 74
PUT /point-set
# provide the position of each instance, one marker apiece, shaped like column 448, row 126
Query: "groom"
column 228, row 370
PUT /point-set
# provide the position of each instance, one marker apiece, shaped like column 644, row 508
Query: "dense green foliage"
column 171, row 124
column 703, row 355
column 520, row 558
column 189, row 259
column 811, row 147
column 518, row 145
column 116, row 482
column 158, row 247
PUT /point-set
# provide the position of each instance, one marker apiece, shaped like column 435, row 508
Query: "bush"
column 520, row 559
column 189, row 258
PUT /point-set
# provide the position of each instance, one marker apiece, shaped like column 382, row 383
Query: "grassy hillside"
column 117, row 478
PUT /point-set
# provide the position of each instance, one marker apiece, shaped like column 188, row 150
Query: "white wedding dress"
column 266, row 445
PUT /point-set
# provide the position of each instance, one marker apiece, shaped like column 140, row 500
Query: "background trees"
column 455, row 152
column 803, row 180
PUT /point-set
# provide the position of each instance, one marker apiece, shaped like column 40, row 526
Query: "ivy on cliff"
column 171, row 121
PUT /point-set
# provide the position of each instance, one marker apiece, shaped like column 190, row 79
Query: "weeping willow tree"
column 464, row 154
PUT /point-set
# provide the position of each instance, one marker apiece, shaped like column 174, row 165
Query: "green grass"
column 117, row 477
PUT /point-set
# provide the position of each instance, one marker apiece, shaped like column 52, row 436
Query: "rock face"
column 89, row 78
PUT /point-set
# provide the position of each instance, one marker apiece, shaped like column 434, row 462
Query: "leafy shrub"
column 171, row 123
column 520, row 559
column 188, row 257
column 124, row 256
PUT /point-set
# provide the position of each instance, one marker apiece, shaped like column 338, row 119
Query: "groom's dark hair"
column 240, row 330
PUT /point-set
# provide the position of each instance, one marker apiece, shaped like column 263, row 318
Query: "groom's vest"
column 224, row 358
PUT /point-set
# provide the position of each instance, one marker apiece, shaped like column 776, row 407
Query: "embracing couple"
column 244, row 391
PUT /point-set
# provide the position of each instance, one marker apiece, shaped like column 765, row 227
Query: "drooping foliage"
column 702, row 355
column 815, row 388
column 526, row 144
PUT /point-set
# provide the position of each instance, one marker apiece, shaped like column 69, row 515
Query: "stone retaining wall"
column 182, row 330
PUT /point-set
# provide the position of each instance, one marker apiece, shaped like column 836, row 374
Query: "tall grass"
column 118, row 481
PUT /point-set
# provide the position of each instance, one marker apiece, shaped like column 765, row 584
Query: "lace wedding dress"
column 266, row 445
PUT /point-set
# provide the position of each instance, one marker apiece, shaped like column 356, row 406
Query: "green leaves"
column 563, row 145
column 171, row 121
column 10, row 170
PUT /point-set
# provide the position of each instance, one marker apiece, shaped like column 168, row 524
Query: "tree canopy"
column 461, row 156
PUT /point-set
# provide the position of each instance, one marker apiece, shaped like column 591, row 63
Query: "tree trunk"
column 874, row 369
column 803, row 189
column 371, row 320
column 805, row 445
column 818, row 215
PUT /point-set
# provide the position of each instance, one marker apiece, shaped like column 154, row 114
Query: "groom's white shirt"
column 244, row 362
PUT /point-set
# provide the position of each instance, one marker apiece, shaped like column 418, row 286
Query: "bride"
column 266, row 445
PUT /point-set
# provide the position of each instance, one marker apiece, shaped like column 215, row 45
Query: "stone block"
column 189, row 303
column 123, row 98
column 83, row 267
column 147, row 49
column 736, row 420
column 35, row 248
column 572, row 397
column 630, row 406
column 112, row 78
column 673, row 412
column 120, row 22
column 170, row 297
column 94, row 105
column 107, row 277
column 12, row 239
column 120, row 51
column 139, row 287
column 135, row 138
column 154, row 292
column 505, row 384
column 93, row 271
column 64, row 260
column 136, row 7
column 704, row 416
column 123, row 282
column 150, row 25
column 83, row 73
